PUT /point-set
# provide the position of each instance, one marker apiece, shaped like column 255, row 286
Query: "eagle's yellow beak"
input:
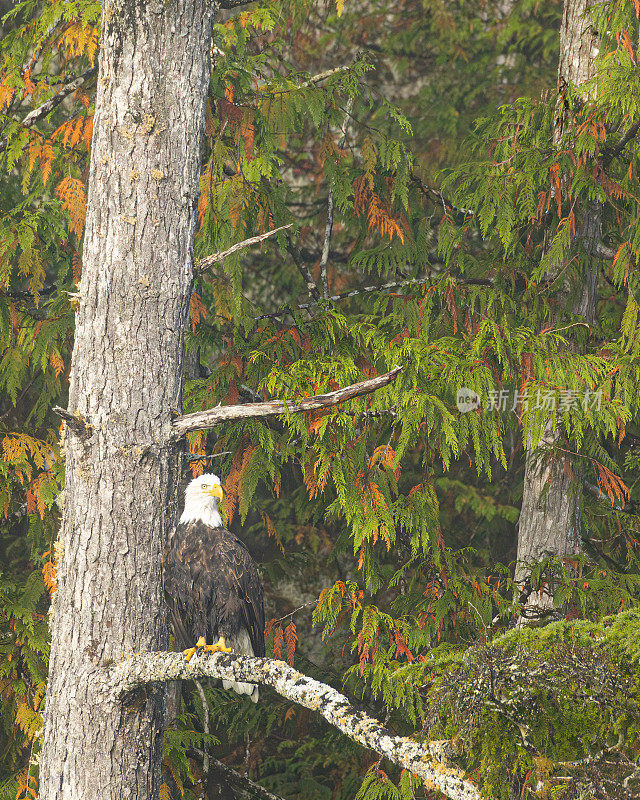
column 216, row 491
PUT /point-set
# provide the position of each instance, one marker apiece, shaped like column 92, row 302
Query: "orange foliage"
column 27, row 785
column 610, row 483
column 315, row 486
column 271, row 530
column 401, row 646
column 384, row 455
column 6, row 94
column 314, row 419
column 379, row 216
column 80, row 40
column 71, row 131
column 626, row 43
column 50, row 576
column 555, row 179
column 196, row 443
column 197, row 311
column 74, row 200
column 234, row 479
column 42, row 150
column 76, row 266
column 29, row 85
column 56, row 362
column 278, row 638
column 291, row 637
column 87, row 133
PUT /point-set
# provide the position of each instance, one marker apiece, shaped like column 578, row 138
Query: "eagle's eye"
column 203, row 486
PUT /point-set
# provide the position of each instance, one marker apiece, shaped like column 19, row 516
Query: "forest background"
column 435, row 177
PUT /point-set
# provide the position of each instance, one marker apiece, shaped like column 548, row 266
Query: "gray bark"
column 551, row 503
column 125, row 379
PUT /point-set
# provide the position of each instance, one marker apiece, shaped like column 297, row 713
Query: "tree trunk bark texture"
column 125, row 380
column 550, row 516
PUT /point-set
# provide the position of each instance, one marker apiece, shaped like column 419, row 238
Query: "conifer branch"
column 214, row 416
column 320, row 76
column 596, row 491
column 48, row 106
column 617, row 149
column 209, row 261
column 422, row 759
column 20, row 397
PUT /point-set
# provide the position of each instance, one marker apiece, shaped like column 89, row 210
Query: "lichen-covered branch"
column 214, row 416
column 420, row 758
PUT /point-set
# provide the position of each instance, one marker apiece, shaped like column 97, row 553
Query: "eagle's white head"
column 201, row 501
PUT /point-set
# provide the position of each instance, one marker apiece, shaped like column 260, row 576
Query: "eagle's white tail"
column 241, row 644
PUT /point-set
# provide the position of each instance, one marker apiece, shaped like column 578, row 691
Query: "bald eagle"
column 212, row 584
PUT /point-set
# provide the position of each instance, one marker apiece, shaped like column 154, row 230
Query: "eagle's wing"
column 244, row 581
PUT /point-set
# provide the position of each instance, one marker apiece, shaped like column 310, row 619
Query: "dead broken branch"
column 209, row 261
column 214, row 416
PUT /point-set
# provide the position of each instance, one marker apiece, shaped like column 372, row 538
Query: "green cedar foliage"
column 393, row 515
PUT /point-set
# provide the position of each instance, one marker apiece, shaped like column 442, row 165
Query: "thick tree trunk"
column 550, row 516
column 125, row 380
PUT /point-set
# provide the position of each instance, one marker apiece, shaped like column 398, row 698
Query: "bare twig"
column 230, row 4
column 204, row 456
column 435, row 194
column 214, row 416
column 379, row 288
column 382, row 412
column 244, row 786
column 295, row 610
column 209, row 261
column 321, row 76
column 303, row 269
column 353, row 293
column 121, row 679
column 324, row 258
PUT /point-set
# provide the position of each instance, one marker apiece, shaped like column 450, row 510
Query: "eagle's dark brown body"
column 213, row 589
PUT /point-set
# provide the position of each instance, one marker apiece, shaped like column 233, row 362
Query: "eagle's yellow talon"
column 202, row 642
column 189, row 654
column 219, row 647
